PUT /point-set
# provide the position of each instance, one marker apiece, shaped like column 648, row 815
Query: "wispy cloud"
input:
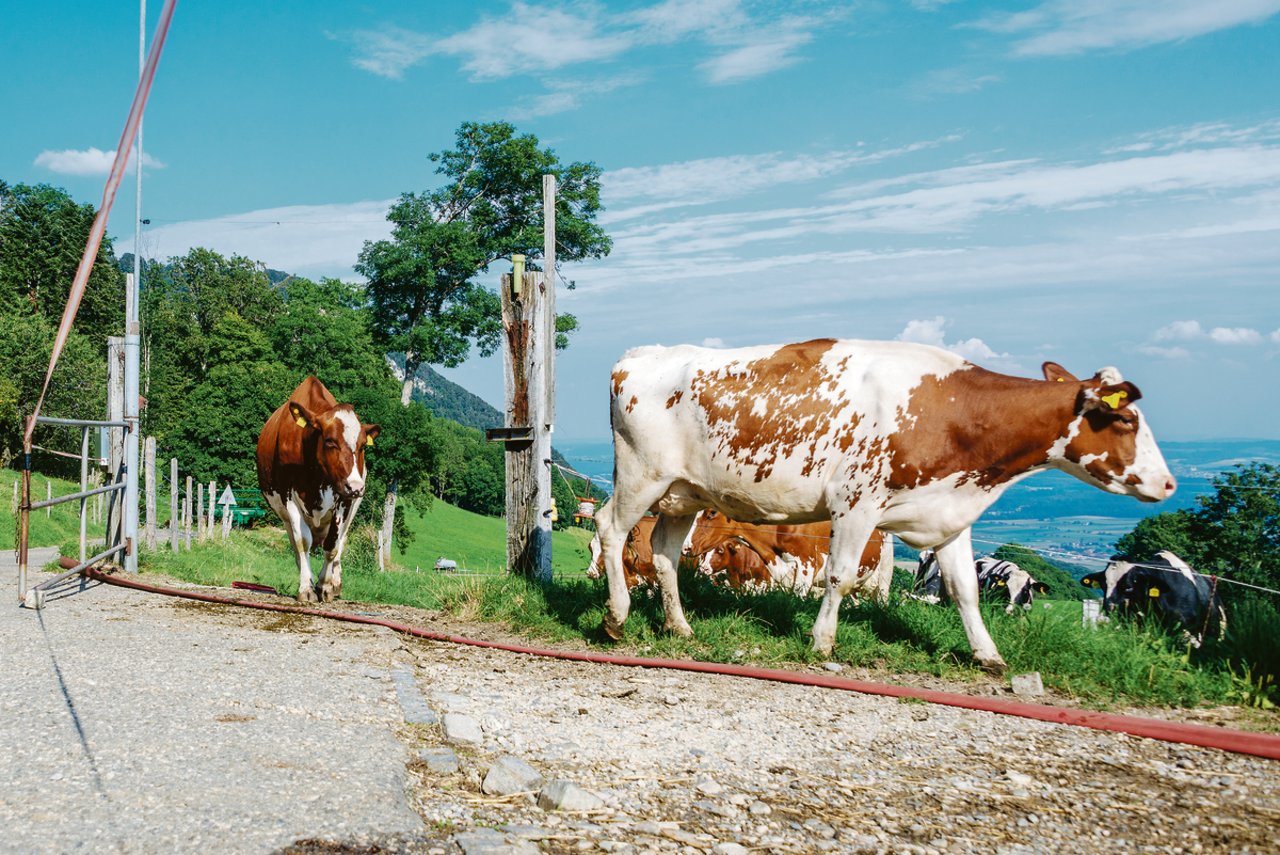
column 1064, row 27
column 949, row 81
column 933, row 331
column 90, row 161
column 563, row 96
column 1192, row 331
column 309, row 240
column 537, row 39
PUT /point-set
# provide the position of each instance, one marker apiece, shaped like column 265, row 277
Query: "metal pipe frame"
column 46, row 420
column 71, row 497
column 75, row 571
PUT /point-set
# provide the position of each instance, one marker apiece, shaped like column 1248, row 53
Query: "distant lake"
column 1051, row 512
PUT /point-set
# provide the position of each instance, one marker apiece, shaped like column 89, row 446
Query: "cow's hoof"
column 612, row 628
column 307, row 596
column 328, row 596
column 823, row 649
column 681, row 629
column 994, row 667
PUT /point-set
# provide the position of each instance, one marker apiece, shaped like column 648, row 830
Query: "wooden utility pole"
column 528, row 356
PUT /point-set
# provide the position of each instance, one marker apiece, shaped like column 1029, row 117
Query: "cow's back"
column 758, row 431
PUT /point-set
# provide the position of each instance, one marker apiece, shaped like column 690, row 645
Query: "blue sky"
column 1095, row 182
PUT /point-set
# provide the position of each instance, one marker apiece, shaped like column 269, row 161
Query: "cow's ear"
column 301, row 416
column 1111, row 397
column 371, row 431
column 1055, row 373
column 1041, row 588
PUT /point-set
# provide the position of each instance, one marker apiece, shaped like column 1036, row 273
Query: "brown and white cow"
column 904, row 437
column 311, row 470
column 793, row 557
column 750, row 556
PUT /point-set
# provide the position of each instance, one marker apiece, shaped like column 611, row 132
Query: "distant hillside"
column 447, row 399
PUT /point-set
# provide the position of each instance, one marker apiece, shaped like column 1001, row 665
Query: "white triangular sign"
column 228, row 498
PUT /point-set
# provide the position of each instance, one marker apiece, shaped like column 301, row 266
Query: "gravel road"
column 138, row 723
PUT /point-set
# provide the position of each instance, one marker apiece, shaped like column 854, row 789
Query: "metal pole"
column 84, row 488
column 133, row 338
column 24, row 519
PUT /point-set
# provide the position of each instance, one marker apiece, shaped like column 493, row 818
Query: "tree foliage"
column 425, row 301
column 42, row 238
column 1233, row 532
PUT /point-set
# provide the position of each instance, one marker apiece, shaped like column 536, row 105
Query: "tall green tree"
column 1234, row 532
column 425, row 300
column 42, row 237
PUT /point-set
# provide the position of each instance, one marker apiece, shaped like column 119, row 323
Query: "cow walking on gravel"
column 907, row 438
column 311, row 470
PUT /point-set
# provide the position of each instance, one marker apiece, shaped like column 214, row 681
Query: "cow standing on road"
column 311, row 469
column 907, row 438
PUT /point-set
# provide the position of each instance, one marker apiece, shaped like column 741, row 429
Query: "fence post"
column 48, row 494
column 200, row 532
column 149, row 469
column 213, row 497
column 226, row 518
column 186, row 514
column 173, row 503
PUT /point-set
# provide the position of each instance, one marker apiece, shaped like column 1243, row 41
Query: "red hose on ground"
column 1224, row 739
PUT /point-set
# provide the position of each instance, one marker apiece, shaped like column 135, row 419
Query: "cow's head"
column 340, row 445
column 1108, row 442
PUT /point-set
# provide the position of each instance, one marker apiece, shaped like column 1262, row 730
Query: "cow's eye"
column 328, row 443
column 1128, row 421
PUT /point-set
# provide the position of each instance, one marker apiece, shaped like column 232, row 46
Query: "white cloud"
column 90, row 161
column 713, row 342
column 536, row 39
column 1235, row 335
column 1179, row 331
column 1064, row 27
column 568, row 95
column 932, row 331
column 1274, row 336
column 388, row 52
column 1194, row 331
column 756, row 59
column 949, row 81
column 309, row 240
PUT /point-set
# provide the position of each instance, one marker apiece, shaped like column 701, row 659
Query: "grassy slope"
column 58, row 526
column 477, row 542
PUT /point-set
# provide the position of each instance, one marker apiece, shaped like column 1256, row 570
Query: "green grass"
column 56, row 526
column 478, row 543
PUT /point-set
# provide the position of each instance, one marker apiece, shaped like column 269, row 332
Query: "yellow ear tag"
column 1153, row 592
column 301, row 421
column 1113, row 401
column 1000, row 583
column 1062, row 379
column 368, row 440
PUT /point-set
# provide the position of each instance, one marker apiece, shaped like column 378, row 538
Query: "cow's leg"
column 667, row 542
column 848, row 539
column 331, row 581
column 955, row 563
column 300, row 537
column 884, row 571
column 614, row 522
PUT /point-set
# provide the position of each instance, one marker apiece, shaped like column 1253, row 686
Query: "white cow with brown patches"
column 907, row 438
column 311, row 469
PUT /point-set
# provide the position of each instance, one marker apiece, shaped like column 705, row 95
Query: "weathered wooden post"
column 173, row 503
column 200, row 528
column 213, row 496
column 186, row 514
column 149, row 470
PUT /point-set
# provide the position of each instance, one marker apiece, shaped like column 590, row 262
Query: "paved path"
column 129, row 727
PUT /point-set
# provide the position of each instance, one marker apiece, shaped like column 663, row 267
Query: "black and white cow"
column 993, row 575
column 1165, row 587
